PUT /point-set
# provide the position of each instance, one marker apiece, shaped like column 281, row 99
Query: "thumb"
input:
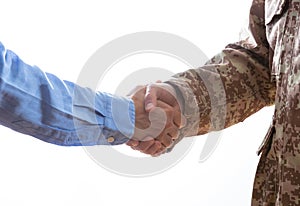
column 150, row 97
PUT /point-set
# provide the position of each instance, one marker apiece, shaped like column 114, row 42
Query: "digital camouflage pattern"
column 245, row 77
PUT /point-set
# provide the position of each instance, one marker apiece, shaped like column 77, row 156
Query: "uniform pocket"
column 267, row 140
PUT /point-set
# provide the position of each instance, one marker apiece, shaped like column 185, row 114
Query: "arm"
column 232, row 85
column 227, row 89
column 60, row 112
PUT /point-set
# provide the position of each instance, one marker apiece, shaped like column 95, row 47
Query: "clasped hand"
column 157, row 118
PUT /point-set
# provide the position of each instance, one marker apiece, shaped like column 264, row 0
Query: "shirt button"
column 110, row 139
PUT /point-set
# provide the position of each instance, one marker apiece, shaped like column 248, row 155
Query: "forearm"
column 228, row 89
column 60, row 112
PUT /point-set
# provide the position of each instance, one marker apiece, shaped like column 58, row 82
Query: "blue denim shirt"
column 60, row 112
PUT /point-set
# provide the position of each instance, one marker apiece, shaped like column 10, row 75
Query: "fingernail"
column 158, row 144
column 183, row 122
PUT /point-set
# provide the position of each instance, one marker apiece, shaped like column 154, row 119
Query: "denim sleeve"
column 60, row 112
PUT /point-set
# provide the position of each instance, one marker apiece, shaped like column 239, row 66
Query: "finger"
column 144, row 145
column 154, row 148
column 159, row 152
column 140, row 135
column 165, row 139
column 132, row 143
column 173, row 132
column 150, row 97
column 162, row 91
column 179, row 119
column 169, row 127
column 173, row 113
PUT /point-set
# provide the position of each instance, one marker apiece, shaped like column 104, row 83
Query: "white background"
column 59, row 37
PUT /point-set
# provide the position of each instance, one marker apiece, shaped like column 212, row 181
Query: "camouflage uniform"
column 245, row 77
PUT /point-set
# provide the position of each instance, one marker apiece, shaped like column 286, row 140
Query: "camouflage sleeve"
column 231, row 86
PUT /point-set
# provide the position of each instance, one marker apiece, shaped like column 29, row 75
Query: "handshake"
column 158, row 118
